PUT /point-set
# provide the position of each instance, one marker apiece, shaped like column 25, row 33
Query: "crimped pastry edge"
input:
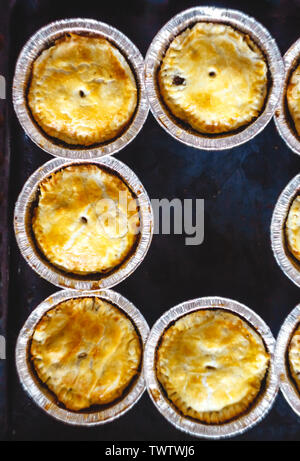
column 46, row 380
column 214, row 126
column 37, row 391
column 282, row 117
column 37, row 43
column 41, row 240
column 239, row 21
column 229, row 412
column 28, row 247
column 52, row 131
column 282, row 368
column 294, row 373
column 284, row 257
column 265, row 399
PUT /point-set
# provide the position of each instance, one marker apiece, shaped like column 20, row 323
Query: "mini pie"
column 86, row 351
column 294, row 357
column 293, row 98
column 86, row 219
column 292, row 228
column 82, row 90
column 211, row 365
column 214, row 78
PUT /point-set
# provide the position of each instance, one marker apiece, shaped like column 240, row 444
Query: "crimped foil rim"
column 35, row 389
column 242, row 22
column 34, row 47
column 50, row 273
column 282, row 256
column 286, row 384
column 238, row 426
column 286, row 131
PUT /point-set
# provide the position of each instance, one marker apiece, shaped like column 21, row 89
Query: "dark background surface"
column 240, row 187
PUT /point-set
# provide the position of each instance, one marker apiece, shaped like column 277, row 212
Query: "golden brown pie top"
column 214, row 78
column 294, row 356
column 293, row 98
column 292, row 228
column 82, row 90
column 86, row 219
column 211, row 364
column 86, row 351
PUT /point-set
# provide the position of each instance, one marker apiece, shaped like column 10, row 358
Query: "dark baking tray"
column 240, row 188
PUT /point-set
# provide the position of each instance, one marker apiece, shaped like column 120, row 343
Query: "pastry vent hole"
column 210, row 367
column 84, row 220
column 212, row 74
column 178, row 80
column 83, row 355
column 82, row 94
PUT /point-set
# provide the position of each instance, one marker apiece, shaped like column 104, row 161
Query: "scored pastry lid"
column 33, row 48
column 282, row 118
column 287, row 386
column 28, row 248
column 38, row 392
column 241, row 22
column 262, row 404
column 284, row 259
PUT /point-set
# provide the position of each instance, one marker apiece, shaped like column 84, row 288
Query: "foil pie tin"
column 282, row 255
column 287, row 386
column 263, row 402
column 42, row 39
column 28, row 248
column 283, row 120
column 43, row 397
column 241, row 22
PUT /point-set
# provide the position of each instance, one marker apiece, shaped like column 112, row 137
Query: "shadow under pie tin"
column 239, row 21
column 29, row 250
column 38, row 391
column 262, row 403
column 286, row 383
column 287, row 263
column 283, row 119
column 41, row 40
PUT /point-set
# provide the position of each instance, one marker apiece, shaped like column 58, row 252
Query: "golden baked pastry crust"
column 214, row 78
column 82, row 90
column 292, row 228
column 86, row 351
column 86, row 219
column 211, row 365
column 294, row 356
column 293, row 98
